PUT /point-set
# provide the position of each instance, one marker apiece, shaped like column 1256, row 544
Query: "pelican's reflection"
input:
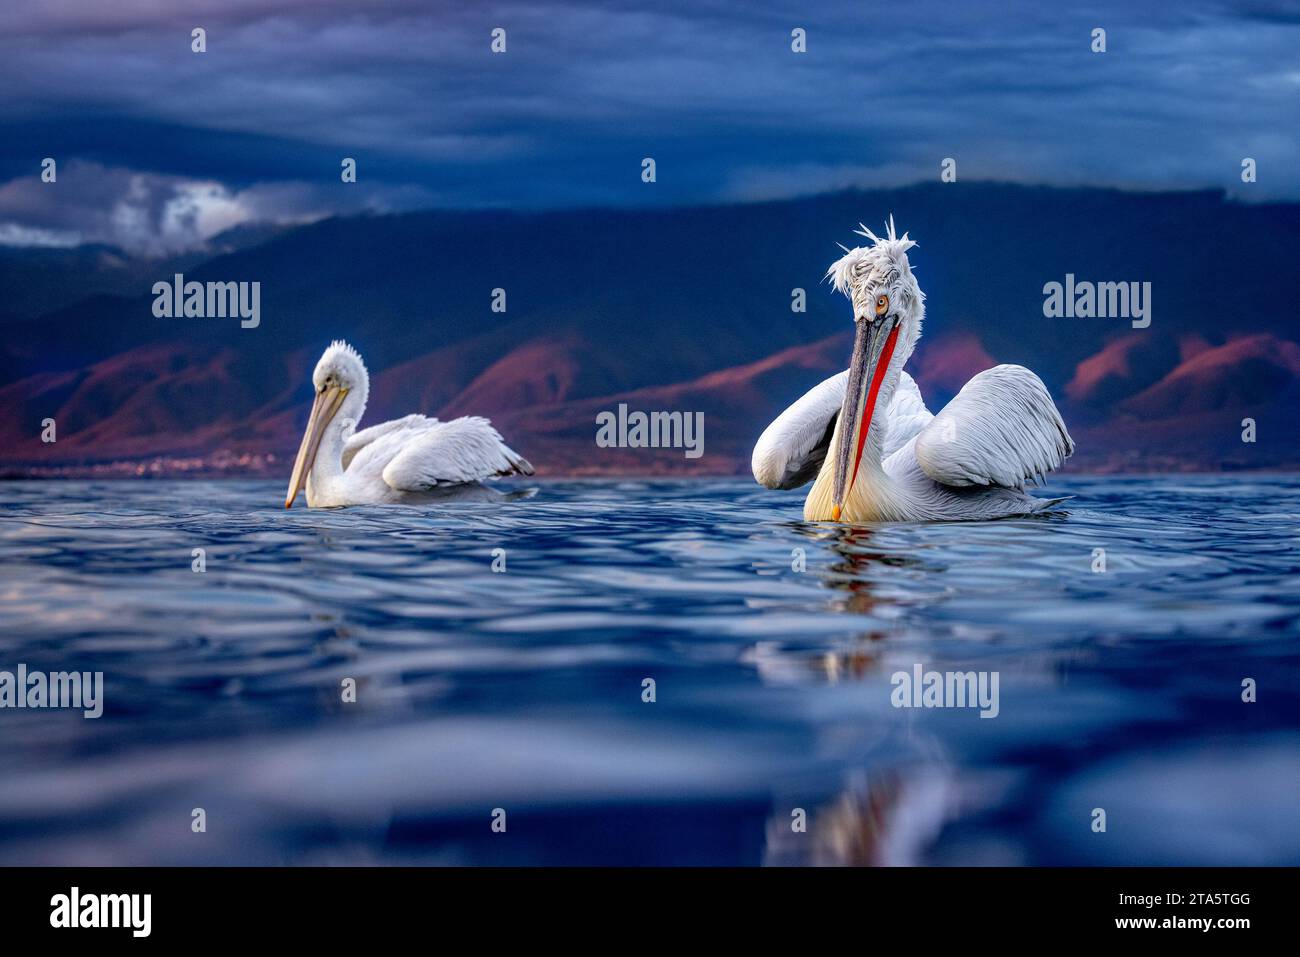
column 854, row 573
column 776, row 663
column 883, row 818
column 858, row 564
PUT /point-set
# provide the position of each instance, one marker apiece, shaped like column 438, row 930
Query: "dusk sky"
column 159, row 148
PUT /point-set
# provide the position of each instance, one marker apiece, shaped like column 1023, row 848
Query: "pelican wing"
column 1001, row 429
column 365, row 437
column 791, row 450
column 452, row 453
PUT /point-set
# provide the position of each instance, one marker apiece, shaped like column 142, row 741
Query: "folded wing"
column 1001, row 429
column 452, row 453
column 791, row 450
column 366, row 437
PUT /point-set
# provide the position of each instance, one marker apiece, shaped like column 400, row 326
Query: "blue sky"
column 159, row 148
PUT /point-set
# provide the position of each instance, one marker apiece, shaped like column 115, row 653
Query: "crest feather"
column 341, row 350
column 842, row 272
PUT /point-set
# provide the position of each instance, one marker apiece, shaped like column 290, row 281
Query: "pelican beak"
column 323, row 410
column 873, row 347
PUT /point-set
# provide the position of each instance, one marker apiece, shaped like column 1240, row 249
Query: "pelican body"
column 876, row 453
column 415, row 458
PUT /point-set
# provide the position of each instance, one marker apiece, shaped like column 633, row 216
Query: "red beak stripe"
column 867, row 413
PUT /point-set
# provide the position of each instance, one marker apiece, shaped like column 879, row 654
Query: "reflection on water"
column 771, row 644
column 881, row 820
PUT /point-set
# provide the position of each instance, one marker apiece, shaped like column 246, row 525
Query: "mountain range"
column 686, row 309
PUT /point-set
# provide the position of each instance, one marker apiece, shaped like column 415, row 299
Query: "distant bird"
column 876, row 451
column 409, row 459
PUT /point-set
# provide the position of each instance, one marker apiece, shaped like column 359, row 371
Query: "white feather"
column 791, row 450
column 363, row 438
column 907, row 416
column 969, row 462
column 1001, row 429
column 451, row 453
column 398, row 460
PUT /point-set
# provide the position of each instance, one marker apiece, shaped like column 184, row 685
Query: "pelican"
column 877, row 452
column 408, row 459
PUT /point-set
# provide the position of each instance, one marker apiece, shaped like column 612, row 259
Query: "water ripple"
column 771, row 643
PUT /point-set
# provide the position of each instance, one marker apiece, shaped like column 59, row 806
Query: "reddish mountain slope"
column 187, row 405
column 1242, row 373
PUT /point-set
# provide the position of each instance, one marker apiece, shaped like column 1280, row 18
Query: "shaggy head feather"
column 341, row 365
column 866, row 272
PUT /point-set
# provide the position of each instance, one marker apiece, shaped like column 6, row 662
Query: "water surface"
column 522, row 689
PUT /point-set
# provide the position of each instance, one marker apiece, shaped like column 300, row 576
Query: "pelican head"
column 888, row 309
column 342, row 386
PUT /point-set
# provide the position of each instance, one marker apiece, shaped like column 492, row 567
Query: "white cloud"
column 154, row 215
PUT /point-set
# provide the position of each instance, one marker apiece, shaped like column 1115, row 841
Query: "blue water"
column 522, row 690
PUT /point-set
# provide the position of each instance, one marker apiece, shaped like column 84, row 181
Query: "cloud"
column 153, row 214
column 256, row 126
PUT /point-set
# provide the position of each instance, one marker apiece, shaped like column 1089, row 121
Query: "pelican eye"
column 882, row 304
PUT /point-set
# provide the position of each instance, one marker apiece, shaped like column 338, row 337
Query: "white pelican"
column 893, row 461
column 402, row 460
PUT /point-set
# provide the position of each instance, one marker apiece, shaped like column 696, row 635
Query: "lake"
column 652, row 672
